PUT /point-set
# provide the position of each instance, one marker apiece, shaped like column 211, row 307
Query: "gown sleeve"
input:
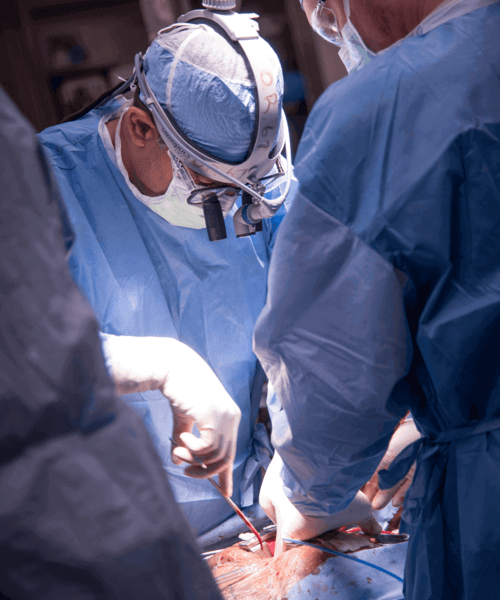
column 334, row 341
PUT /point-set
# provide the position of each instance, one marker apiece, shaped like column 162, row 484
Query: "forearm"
column 142, row 364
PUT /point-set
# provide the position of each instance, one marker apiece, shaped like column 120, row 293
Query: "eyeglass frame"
column 201, row 192
column 316, row 24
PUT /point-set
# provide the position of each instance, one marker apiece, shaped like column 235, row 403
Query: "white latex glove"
column 140, row 364
column 405, row 434
column 293, row 524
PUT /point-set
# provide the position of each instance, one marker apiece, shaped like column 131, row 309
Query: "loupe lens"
column 214, row 219
column 200, row 194
column 324, row 23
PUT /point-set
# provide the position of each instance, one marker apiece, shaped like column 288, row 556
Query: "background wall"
column 58, row 55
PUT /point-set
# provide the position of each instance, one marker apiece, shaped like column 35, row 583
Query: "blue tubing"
column 363, row 562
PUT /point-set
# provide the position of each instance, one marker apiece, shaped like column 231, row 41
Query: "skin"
column 380, row 23
column 147, row 164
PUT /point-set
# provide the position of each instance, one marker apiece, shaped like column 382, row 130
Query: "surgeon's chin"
column 146, row 190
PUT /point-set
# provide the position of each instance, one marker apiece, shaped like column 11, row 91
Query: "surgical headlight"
column 251, row 174
column 263, row 167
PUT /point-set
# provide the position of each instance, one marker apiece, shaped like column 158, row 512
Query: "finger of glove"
column 182, row 425
column 396, row 493
column 219, row 462
column 371, row 488
column 383, row 497
column 181, row 455
column 199, row 472
column 399, row 496
column 370, row 526
column 208, row 448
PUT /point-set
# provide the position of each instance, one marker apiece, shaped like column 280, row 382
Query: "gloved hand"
column 139, row 364
column 292, row 524
column 405, row 434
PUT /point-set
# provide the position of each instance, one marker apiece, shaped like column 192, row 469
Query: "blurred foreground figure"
column 85, row 508
column 384, row 290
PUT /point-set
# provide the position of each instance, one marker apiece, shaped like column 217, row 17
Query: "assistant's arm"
column 334, row 342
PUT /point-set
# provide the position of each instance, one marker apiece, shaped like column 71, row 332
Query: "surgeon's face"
column 337, row 6
column 380, row 23
column 148, row 163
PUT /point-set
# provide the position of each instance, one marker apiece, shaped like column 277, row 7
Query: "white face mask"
column 172, row 205
column 354, row 53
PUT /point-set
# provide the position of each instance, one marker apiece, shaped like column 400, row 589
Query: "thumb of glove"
column 182, row 424
column 404, row 435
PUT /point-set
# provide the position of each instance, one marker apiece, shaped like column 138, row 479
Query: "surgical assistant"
column 384, row 295
column 142, row 255
column 85, row 510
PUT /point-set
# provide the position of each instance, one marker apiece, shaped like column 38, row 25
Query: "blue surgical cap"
column 202, row 79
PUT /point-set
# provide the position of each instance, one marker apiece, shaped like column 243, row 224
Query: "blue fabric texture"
column 384, row 295
column 344, row 579
column 145, row 277
column 200, row 76
column 85, row 510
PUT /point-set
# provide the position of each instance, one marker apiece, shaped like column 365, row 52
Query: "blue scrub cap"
column 201, row 78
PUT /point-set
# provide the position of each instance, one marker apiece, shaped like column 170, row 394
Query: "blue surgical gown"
column 145, row 277
column 384, row 295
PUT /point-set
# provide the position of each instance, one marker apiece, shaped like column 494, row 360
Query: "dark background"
column 58, row 55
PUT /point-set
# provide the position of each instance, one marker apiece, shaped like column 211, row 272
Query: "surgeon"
column 154, row 187
column 384, row 291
